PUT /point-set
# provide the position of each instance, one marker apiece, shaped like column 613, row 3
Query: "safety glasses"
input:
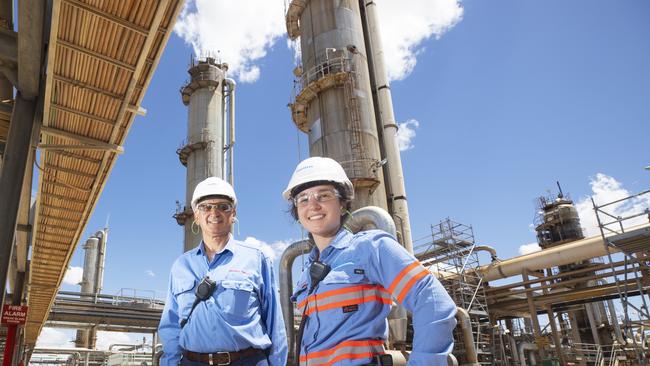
column 221, row 206
column 321, row 196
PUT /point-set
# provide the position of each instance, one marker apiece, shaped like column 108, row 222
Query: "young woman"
column 346, row 294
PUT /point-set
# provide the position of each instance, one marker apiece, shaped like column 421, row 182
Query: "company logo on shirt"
column 350, row 308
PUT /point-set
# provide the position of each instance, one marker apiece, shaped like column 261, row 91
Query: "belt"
column 221, row 358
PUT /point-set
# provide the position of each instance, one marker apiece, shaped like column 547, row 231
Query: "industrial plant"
column 578, row 300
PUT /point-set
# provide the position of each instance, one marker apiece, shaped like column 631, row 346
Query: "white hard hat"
column 210, row 187
column 316, row 169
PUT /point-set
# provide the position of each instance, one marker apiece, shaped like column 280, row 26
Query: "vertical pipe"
column 10, row 342
column 592, row 323
column 286, row 288
column 231, row 119
column 393, row 172
column 102, row 235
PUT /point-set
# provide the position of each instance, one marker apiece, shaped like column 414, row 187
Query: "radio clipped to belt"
column 204, row 290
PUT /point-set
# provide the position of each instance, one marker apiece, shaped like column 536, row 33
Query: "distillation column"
column 208, row 139
column 333, row 102
column 559, row 223
column 92, row 280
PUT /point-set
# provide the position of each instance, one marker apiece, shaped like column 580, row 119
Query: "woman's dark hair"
column 345, row 200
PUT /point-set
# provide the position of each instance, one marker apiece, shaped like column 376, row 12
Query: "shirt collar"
column 341, row 240
column 200, row 250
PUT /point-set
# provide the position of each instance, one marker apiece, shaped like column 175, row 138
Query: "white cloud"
column 105, row 339
column 529, row 248
column 273, row 250
column 607, row 189
column 150, row 273
column 241, row 33
column 53, row 338
column 406, row 134
column 73, row 276
column 424, row 18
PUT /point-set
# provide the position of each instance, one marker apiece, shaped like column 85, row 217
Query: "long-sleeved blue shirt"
column 244, row 310
column 347, row 310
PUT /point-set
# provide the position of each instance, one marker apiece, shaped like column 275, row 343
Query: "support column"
column 533, row 317
column 6, row 22
column 11, row 179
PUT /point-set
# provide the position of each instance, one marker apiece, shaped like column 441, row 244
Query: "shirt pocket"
column 348, row 274
column 184, row 295
column 235, row 297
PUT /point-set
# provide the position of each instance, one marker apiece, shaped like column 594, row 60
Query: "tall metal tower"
column 342, row 100
column 208, row 149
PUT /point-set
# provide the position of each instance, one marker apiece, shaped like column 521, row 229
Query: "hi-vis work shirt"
column 243, row 312
column 346, row 313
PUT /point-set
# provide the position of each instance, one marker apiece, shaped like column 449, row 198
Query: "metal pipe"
column 522, row 348
column 231, row 119
column 468, row 337
column 551, row 257
column 477, row 248
column 394, row 175
column 102, row 235
column 371, row 217
column 286, row 285
column 513, row 348
column 617, row 326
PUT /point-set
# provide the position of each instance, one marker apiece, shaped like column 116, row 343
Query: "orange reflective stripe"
column 341, row 291
column 410, row 284
column 342, row 303
column 401, row 275
column 405, row 280
column 348, row 350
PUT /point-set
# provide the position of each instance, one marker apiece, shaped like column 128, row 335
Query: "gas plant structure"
column 577, row 301
column 208, row 149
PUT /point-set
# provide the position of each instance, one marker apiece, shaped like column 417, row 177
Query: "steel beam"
column 97, row 55
column 8, row 46
column 11, row 179
column 82, row 114
column 31, row 16
column 83, row 139
column 111, row 18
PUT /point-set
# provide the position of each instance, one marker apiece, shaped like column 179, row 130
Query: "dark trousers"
column 253, row 360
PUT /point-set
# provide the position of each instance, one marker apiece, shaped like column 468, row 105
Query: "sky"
column 496, row 101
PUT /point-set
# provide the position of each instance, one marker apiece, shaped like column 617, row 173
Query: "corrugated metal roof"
column 101, row 57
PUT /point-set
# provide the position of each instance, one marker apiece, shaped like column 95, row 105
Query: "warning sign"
column 12, row 314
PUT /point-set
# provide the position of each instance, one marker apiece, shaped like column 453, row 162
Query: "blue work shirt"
column 243, row 312
column 347, row 311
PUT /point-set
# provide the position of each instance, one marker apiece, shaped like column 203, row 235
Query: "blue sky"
column 514, row 96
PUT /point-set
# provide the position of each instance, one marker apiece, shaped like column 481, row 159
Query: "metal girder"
column 96, row 55
column 105, row 15
column 77, row 156
column 64, row 185
column 82, row 114
column 11, row 179
column 8, row 46
column 31, row 16
column 68, row 171
column 65, row 198
column 83, row 139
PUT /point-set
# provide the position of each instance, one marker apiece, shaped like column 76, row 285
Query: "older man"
column 222, row 306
